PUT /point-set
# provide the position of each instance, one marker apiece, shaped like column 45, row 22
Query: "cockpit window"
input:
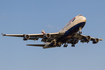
column 79, row 15
column 73, row 19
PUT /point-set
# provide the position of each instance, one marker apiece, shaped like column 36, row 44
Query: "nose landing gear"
column 80, row 32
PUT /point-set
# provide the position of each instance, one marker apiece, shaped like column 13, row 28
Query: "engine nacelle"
column 46, row 36
column 95, row 41
column 86, row 39
column 59, row 44
column 26, row 37
column 54, row 42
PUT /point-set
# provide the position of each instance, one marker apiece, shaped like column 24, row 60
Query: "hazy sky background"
column 31, row 16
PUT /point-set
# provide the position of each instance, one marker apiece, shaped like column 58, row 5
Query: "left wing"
column 85, row 38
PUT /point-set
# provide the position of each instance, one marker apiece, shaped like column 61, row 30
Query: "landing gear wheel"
column 59, row 46
column 65, row 45
column 80, row 32
column 72, row 45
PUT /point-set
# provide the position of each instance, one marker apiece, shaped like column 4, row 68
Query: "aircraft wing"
column 85, row 38
column 53, row 35
column 22, row 35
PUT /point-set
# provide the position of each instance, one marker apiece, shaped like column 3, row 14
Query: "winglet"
column 3, row 34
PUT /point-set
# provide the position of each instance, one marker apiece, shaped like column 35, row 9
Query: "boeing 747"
column 70, row 34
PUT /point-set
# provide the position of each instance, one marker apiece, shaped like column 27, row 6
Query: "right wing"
column 41, row 35
column 22, row 35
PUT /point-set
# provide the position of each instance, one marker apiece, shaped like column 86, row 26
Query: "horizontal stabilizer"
column 42, row 45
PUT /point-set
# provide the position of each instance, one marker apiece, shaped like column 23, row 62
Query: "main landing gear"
column 73, row 45
column 65, row 45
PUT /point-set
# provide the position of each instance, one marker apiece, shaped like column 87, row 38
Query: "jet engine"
column 86, row 39
column 26, row 37
column 95, row 41
column 59, row 44
column 47, row 36
column 54, row 42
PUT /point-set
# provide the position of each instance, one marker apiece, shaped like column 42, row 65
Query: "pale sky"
column 32, row 16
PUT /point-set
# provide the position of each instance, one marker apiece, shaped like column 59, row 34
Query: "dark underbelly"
column 71, row 32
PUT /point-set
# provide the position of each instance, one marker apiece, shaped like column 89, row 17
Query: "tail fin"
column 43, row 32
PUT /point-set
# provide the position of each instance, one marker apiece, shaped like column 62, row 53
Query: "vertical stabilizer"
column 43, row 32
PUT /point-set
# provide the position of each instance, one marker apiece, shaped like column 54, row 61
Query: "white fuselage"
column 76, row 20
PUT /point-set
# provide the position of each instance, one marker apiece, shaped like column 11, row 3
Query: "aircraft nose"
column 84, row 19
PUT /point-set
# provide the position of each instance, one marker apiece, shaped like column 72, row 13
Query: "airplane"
column 70, row 34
